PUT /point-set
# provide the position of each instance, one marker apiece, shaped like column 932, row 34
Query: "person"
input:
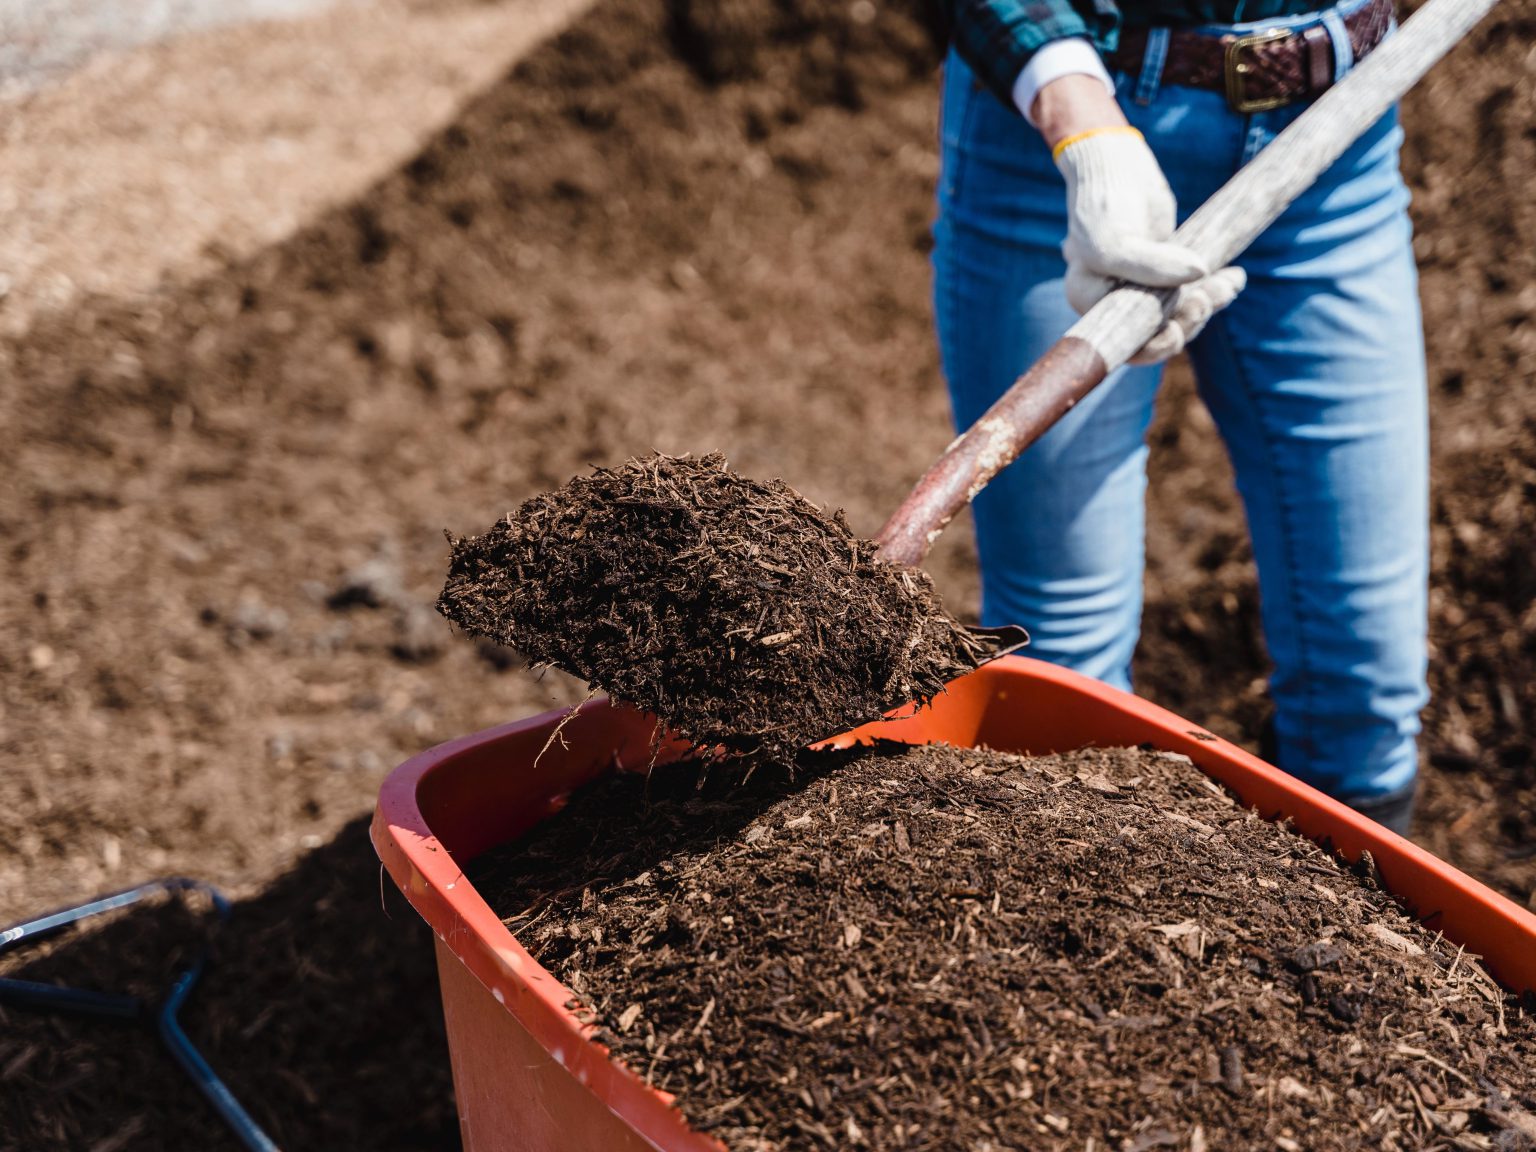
column 1075, row 134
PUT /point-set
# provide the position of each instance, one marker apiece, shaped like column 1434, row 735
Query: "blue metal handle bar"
column 54, row 998
column 53, row 921
column 192, row 1062
column 31, row 994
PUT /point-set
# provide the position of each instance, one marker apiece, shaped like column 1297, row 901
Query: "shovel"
column 1116, row 327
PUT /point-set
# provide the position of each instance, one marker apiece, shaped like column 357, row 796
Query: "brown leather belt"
column 1261, row 70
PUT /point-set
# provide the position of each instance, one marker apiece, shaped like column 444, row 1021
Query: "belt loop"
column 1343, row 47
column 1150, row 77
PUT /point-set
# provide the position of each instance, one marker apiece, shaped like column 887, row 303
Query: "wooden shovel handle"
column 1117, row 327
column 1040, row 397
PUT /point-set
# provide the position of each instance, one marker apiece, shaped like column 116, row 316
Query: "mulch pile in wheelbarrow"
column 933, row 948
column 739, row 611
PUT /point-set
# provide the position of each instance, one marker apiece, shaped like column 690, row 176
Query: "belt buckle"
column 1237, row 71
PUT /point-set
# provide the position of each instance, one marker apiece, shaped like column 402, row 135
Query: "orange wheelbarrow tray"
column 526, row 1072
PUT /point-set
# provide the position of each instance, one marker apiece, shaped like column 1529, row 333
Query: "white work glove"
column 1120, row 215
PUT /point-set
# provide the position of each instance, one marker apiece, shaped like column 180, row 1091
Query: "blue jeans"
column 1315, row 377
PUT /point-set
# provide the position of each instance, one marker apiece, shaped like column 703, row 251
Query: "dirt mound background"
column 222, row 503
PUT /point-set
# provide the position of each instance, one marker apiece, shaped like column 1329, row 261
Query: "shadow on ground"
column 319, row 1009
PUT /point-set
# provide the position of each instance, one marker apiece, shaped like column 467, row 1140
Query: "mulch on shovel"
column 737, row 610
column 934, row 948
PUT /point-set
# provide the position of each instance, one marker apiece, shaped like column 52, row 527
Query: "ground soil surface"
column 687, row 227
column 940, row 949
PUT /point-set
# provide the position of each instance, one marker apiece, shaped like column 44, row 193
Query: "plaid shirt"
column 997, row 37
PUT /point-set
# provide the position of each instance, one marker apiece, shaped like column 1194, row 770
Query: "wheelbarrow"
column 527, row 1073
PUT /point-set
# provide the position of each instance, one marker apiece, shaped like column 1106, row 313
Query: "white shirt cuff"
column 1069, row 57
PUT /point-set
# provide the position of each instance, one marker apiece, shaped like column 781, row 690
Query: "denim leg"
column 1060, row 532
column 1316, row 379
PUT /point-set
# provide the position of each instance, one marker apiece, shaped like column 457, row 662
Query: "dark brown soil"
column 942, row 949
column 738, row 612
column 222, row 502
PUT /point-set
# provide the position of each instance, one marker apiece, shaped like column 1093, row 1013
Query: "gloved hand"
column 1121, row 214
